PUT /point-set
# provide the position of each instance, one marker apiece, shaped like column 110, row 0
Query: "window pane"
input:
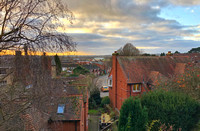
column 134, row 88
column 139, row 87
column 61, row 108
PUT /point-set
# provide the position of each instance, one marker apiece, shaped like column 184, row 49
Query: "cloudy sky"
column 154, row 26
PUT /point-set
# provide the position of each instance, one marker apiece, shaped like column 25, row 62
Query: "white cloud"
column 102, row 26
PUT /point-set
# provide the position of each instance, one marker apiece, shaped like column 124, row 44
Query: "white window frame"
column 110, row 81
column 137, row 86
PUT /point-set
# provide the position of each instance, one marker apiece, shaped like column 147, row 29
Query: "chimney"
column 169, row 53
column 114, row 85
column 18, row 53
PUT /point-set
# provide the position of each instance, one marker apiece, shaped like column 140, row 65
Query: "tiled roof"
column 139, row 69
column 72, row 108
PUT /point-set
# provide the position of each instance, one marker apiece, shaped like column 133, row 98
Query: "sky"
column 101, row 27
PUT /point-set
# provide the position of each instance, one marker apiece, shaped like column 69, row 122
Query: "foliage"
column 128, row 50
column 93, row 112
column 176, row 52
column 172, row 108
column 132, row 115
column 105, row 101
column 162, row 54
column 188, row 83
column 194, row 50
column 80, row 70
column 58, row 64
column 146, row 54
column 95, row 99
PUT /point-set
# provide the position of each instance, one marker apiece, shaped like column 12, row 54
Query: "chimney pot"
column 18, row 53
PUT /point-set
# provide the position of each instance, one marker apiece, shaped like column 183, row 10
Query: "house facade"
column 132, row 76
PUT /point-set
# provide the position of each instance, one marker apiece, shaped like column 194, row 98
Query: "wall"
column 119, row 90
column 65, row 126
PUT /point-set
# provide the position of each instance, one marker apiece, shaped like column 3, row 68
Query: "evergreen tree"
column 162, row 54
column 80, row 70
column 194, row 50
column 172, row 108
column 128, row 126
column 176, row 52
column 58, row 64
column 133, row 116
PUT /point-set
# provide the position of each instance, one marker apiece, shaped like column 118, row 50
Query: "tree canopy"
column 194, row 50
column 128, row 50
column 80, row 70
column 173, row 108
column 133, row 117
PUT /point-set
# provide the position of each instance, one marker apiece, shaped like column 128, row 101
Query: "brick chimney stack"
column 18, row 53
column 114, row 77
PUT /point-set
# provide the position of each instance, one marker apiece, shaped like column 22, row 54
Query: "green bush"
column 95, row 99
column 172, row 108
column 80, row 70
column 93, row 112
column 105, row 101
column 132, row 116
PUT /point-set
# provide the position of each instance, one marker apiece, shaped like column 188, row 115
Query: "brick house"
column 55, row 109
column 70, row 110
column 132, row 76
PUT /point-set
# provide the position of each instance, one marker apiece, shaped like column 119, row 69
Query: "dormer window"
column 136, row 88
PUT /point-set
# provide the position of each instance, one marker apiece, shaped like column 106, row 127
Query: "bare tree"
column 128, row 50
column 31, row 25
column 30, row 88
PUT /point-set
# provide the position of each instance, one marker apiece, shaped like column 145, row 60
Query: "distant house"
column 132, row 76
column 71, row 109
column 56, row 105
column 68, row 66
column 96, row 59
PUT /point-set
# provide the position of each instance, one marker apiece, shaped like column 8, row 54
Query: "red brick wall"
column 119, row 91
column 122, row 88
column 65, row 126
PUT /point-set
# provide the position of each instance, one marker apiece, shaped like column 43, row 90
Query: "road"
column 93, row 124
column 102, row 81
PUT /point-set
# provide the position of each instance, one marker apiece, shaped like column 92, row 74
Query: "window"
column 136, row 88
column 3, row 83
column 61, row 108
column 110, row 81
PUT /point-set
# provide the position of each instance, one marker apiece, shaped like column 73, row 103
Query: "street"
column 102, row 81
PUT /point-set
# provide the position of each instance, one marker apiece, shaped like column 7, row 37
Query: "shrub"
column 93, row 112
column 105, row 101
column 80, row 70
column 95, row 99
column 132, row 116
column 172, row 108
column 188, row 83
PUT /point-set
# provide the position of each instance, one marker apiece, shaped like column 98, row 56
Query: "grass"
column 93, row 112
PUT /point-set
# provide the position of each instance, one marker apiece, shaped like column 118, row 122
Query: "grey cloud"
column 137, row 18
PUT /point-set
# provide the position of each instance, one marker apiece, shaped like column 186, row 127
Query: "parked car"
column 104, row 88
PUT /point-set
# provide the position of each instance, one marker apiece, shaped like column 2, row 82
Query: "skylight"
column 61, row 108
